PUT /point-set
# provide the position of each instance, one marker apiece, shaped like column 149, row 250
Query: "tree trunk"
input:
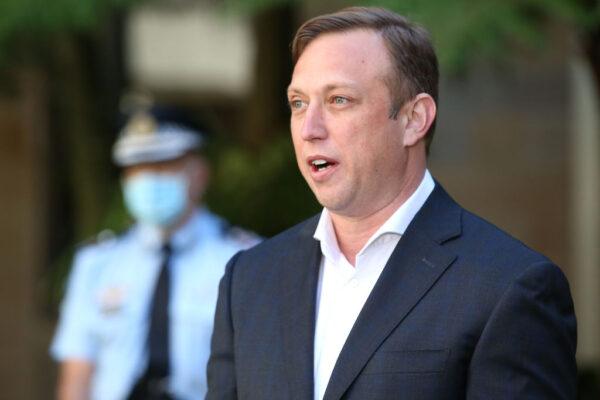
column 266, row 113
column 85, row 136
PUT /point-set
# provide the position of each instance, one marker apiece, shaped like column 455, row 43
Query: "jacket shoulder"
column 285, row 241
column 272, row 259
column 492, row 260
column 493, row 243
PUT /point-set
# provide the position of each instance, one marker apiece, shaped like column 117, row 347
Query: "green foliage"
column 260, row 191
column 252, row 6
column 34, row 19
column 41, row 15
column 464, row 30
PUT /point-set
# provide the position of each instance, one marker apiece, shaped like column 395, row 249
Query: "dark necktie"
column 152, row 385
column 158, row 335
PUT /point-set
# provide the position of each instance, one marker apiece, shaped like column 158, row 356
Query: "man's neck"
column 167, row 232
column 353, row 232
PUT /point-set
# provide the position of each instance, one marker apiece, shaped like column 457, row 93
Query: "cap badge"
column 141, row 123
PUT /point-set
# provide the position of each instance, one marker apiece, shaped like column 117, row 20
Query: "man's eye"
column 296, row 104
column 339, row 100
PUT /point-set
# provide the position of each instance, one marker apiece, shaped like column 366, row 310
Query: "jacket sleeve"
column 221, row 364
column 527, row 348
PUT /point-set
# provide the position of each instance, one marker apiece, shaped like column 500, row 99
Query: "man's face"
column 176, row 166
column 347, row 148
column 192, row 167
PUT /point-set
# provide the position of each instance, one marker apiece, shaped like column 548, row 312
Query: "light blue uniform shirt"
column 104, row 316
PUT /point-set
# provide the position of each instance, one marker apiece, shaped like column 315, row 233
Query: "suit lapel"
column 299, row 288
column 416, row 264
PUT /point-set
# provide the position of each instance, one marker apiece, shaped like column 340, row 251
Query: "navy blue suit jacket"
column 461, row 311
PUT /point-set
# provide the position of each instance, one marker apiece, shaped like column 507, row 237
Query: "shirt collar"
column 184, row 236
column 396, row 224
column 326, row 235
column 403, row 216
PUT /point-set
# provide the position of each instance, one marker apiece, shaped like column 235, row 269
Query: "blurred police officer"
column 137, row 317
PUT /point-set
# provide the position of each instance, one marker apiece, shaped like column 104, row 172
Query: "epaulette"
column 105, row 237
column 241, row 236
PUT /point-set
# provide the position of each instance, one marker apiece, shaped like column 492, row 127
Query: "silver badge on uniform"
column 111, row 299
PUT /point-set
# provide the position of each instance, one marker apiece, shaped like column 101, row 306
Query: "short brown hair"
column 408, row 44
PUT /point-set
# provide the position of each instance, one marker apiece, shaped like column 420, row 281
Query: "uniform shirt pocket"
column 408, row 362
column 118, row 316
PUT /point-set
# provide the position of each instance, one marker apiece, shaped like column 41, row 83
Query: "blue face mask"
column 156, row 199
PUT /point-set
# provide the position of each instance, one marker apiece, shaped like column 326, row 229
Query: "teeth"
column 319, row 163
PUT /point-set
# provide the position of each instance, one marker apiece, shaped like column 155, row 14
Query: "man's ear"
column 420, row 114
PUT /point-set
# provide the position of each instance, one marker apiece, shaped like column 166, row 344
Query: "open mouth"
column 320, row 164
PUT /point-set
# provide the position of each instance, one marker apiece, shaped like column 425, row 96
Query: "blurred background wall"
column 518, row 136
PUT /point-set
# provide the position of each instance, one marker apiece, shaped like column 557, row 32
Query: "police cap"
column 153, row 135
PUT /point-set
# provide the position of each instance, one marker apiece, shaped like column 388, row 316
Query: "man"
column 394, row 291
column 137, row 316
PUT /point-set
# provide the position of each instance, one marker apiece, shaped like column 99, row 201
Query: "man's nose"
column 313, row 126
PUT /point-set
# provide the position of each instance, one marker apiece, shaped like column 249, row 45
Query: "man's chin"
column 336, row 200
column 334, row 205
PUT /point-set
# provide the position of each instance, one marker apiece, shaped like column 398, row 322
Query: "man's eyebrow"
column 331, row 86
column 340, row 85
column 293, row 90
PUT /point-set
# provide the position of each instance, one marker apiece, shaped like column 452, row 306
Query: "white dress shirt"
column 343, row 289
